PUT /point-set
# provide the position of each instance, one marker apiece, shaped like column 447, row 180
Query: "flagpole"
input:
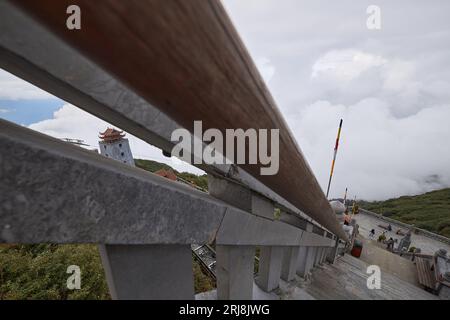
column 334, row 156
column 345, row 200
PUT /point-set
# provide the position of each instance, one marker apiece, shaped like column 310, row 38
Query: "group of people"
column 382, row 238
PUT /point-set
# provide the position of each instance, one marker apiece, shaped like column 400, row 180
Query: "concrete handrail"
column 55, row 192
column 153, row 30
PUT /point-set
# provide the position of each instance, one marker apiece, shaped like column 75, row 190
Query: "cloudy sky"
column 321, row 63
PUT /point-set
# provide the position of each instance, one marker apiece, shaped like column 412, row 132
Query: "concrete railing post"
column 311, row 258
column 318, row 252
column 234, row 264
column 332, row 253
column 322, row 252
column 290, row 263
column 234, row 272
column 269, row 273
column 324, row 255
column 302, row 265
column 150, row 272
column 306, row 257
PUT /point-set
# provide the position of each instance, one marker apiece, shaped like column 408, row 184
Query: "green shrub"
column 202, row 282
column 40, row 272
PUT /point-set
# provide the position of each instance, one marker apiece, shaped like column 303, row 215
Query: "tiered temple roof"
column 111, row 135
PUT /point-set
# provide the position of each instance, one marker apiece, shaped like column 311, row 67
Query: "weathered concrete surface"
column 333, row 252
column 263, row 207
column 290, row 263
column 324, row 255
column 302, row 264
column 427, row 245
column 141, row 271
column 52, row 191
column 310, row 259
column 257, row 228
column 318, row 255
column 269, row 272
column 234, row 270
column 254, row 230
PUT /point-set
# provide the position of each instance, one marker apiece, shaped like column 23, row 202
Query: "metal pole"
column 334, row 157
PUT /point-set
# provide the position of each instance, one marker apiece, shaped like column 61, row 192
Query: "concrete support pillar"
column 318, row 251
column 290, row 263
column 269, row 272
column 234, row 272
column 332, row 253
column 310, row 258
column 323, row 255
column 302, row 268
column 150, row 272
column 306, row 257
column 322, row 251
column 319, row 256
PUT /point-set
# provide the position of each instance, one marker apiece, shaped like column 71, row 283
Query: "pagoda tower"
column 114, row 145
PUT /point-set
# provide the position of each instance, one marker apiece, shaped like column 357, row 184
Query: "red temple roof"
column 111, row 134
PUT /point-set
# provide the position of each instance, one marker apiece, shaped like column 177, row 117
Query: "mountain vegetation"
column 153, row 166
column 429, row 211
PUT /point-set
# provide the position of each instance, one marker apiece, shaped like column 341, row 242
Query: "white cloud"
column 379, row 156
column 398, row 75
column 4, row 110
column 13, row 88
column 72, row 122
column 390, row 86
column 345, row 65
column 266, row 69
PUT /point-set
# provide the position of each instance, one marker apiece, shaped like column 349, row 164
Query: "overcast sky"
column 321, row 63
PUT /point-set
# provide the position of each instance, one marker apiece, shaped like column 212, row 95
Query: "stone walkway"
column 347, row 280
column 427, row 245
column 344, row 280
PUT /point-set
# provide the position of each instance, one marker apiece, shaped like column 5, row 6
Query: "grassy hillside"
column 429, row 211
column 152, row 166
